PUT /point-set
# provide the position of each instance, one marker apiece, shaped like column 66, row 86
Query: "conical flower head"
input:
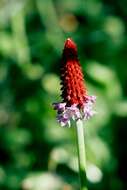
column 76, row 103
column 73, row 87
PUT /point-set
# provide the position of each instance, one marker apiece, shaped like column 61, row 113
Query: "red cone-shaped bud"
column 73, row 88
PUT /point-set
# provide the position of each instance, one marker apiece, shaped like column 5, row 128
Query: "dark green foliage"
column 36, row 153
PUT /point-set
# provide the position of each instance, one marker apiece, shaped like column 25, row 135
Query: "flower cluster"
column 67, row 113
column 76, row 102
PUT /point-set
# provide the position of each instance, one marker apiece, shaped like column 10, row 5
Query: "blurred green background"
column 35, row 152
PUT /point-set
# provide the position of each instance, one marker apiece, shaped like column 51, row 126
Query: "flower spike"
column 76, row 102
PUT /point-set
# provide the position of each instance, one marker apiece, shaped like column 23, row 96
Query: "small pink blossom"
column 67, row 113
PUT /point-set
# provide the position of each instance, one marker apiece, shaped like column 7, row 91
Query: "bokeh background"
column 35, row 152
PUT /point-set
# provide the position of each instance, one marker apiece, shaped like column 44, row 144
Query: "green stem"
column 81, row 154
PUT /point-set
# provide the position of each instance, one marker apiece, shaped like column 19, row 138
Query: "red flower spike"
column 73, row 87
column 76, row 103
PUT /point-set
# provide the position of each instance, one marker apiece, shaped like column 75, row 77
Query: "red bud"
column 73, row 87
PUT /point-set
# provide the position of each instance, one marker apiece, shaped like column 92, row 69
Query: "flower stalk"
column 81, row 154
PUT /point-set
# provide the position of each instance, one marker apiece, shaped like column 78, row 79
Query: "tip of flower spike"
column 69, row 43
column 70, row 50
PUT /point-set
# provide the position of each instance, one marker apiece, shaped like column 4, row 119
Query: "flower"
column 76, row 102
